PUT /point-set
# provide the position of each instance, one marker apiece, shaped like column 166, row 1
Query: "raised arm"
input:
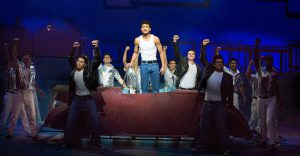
column 71, row 58
column 257, row 55
column 248, row 72
column 127, row 48
column 161, row 54
column 135, row 51
column 176, row 48
column 165, row 55
column 203, row 58
column 96, row 54
column 15, row 53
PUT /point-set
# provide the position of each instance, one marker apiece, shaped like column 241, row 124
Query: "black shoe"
column 197, row 148
column 273, row 148
column 35, row 137
column 227, row 152
column 9, row 136
column 260, row 143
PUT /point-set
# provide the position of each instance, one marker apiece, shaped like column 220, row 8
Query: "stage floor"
column 49, row 145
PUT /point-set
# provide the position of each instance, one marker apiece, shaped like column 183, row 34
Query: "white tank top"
column 147, row 49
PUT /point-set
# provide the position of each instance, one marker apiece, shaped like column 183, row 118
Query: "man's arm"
column 256, row 55
column 15, row 53
column 161, row 53
column 248, row 72
column 96, row 53
column 71, row 58
column 127, row 48
column 177, row 53
column 135, row 51
column 165, row 55
column 119, row 78
column 203, row 58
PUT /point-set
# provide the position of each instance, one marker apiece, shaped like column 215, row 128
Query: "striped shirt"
column 25, row 77
column 11, row 78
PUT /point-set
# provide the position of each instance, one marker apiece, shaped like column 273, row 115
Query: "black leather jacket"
column 90, row 75
column 183, row 66
column 226, row 82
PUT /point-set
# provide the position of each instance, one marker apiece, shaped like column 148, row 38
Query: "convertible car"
column 168, row 114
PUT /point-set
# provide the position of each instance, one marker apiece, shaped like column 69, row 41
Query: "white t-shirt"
column 81, row 89
column 213, row 87
column 188, row 81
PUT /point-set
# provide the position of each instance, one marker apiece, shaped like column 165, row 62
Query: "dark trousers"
column 213, row 119
column 80, row 104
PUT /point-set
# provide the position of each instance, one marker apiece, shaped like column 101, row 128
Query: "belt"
column 186, row 88
column 254, row 97
column 214, row 102
column 265, row 96
column 83, row 96
column 152, row 61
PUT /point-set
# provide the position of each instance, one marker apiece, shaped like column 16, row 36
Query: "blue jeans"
column 149, row 71
column 79, row 104
column 214, row 118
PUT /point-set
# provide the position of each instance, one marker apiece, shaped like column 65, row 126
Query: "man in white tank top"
column 147, row 44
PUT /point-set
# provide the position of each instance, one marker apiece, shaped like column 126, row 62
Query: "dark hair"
column 217, row 57
column 85, row 58
column 107, row 54
column 171, row 60
column 233, row 59
column 146, row 22
column 192, row 51
column 26, row 53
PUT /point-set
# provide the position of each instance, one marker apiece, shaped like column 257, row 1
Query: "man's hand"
column 162, row 70
column 16, row 39
column 175, row 38
column 127, row 48
column 205, row 42
column 251, row 62
column 95, row 43
column 76, row 45
column 165, row 48
column 129, row 65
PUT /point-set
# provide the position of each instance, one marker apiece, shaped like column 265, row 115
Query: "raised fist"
column 205, row 42
column 218, row 48
column 76, row 44
column 95, row 43
column 175, row 38
column 165, row 48
column 127, row 48
column 251, row 62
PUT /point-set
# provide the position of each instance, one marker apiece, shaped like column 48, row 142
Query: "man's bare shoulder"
column 137, row 40
column 156, row 39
